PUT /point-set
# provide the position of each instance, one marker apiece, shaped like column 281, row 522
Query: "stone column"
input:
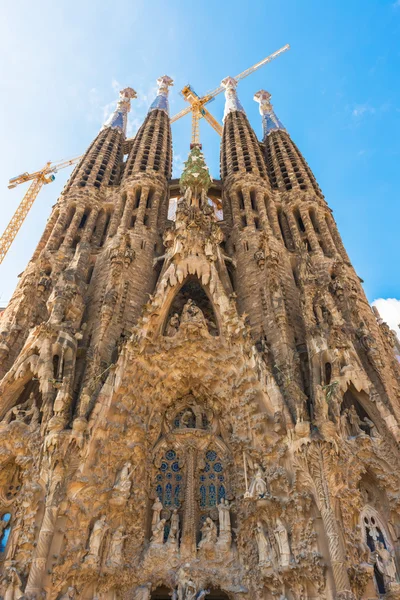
column 188, row 542
column 38, row 566
column 91, row 222
column 319, row 468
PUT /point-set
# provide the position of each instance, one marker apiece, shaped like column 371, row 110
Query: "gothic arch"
column 192, row 289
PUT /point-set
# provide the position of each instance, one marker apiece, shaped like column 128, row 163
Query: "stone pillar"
column 319, row 468
column 188, row 542
column 38, row 566
column 91, row 222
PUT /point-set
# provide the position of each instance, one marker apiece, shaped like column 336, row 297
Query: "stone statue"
column 185, row 419
column 143, row 592
column 175, row 523
column 373, row 431
column 123, row 483
column 344, row 424
column 158, row 533
column 12, row 585
column 208, row 534
column 202, row 594
column 116, row 547
column 173, row 325
column 224, row 518
column 355, row 422
column 96, row 537
column 258, row 487
column 193, row 314
column 156, row 508
column 282, row 539
column 69, row 594
column 264, row 548
column 385, row 563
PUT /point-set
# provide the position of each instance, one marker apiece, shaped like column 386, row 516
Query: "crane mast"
column 45, row 175
column 39, row 179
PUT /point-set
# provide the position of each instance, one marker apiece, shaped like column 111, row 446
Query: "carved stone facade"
column 196, row 408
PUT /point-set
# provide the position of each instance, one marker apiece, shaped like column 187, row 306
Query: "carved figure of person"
column 258, row 487
column 190, row 591
column 12, row 585
column 263, row 545
column 143, row 592
column 173, row 325
column 175, row 522
column 69, row 594
column 344, row 424
column 185, row 419
column 355, row 421
column 96, row 537
column 385, row 562
column 116, row 547
column 123, row 482
column 208, row 533
column 373, row 431
column 193, row 314
column 158, row 532
column 224, row 516
column 282, row 539
column 156, row 508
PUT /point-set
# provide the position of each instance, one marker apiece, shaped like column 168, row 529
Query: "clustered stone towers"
column 196, row 407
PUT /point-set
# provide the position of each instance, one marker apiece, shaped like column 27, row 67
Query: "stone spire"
column 118, row 119
column 232, row 102
column 269, row 119
column 161, row 100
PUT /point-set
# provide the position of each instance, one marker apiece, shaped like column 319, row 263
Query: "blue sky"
column 337, row 91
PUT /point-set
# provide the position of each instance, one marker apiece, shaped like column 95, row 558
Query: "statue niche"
column 27, row 408
column 191, row 308
column 354, row 419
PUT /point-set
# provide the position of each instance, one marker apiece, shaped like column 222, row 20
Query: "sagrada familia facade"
column 203, row 406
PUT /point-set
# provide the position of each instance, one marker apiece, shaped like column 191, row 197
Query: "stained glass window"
column 168, row 483
column 212, row 481
column 6, row 528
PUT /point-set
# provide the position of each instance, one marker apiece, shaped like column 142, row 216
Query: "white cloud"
column 389, row 309
column 396, row 4
column 362, row 109
column 177, row 165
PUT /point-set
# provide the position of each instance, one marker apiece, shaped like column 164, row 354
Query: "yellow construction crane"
column 46, row 175
column 39, row 178
column 197, row 103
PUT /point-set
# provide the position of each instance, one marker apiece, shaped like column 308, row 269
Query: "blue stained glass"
column 212, row 495
column 159, row 477
column 170, row 455
column 218, row 467
column 175, row 467
column 202, row 477
column 221, row 492
column 164, row 466
column 177, row 494
column 169, row 476
column 178, row 477
column 202, row 495
column 221, row 478
column 5, row 536
column 6, row 517
column 211, row 455
column 211, row 476
column 207, row 467
column 168, row 494
column 159, row 491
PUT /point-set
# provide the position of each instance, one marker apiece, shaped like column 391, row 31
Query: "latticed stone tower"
column 201, row 407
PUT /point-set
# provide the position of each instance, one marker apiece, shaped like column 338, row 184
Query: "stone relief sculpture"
column 263, row 545
column 96, row 538
column 258, row 487
column 123, row 483
column 156, row 508
column 385, row 563
column 208, row 534
column 282, row 540
column 116, row 548
column 157, row 538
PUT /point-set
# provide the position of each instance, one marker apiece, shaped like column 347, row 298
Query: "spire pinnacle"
column 269, row 119
column 161, row 101
column 118, row 119
column 232, row 102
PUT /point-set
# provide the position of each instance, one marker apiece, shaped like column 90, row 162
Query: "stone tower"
column 201, row 407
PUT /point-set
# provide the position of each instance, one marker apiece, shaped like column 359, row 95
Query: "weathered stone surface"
column 196, row 408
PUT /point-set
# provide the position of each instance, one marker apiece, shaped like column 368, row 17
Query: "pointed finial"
column 269, row 119
column 232, row 102
column 161, row 101
column 119, row 117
